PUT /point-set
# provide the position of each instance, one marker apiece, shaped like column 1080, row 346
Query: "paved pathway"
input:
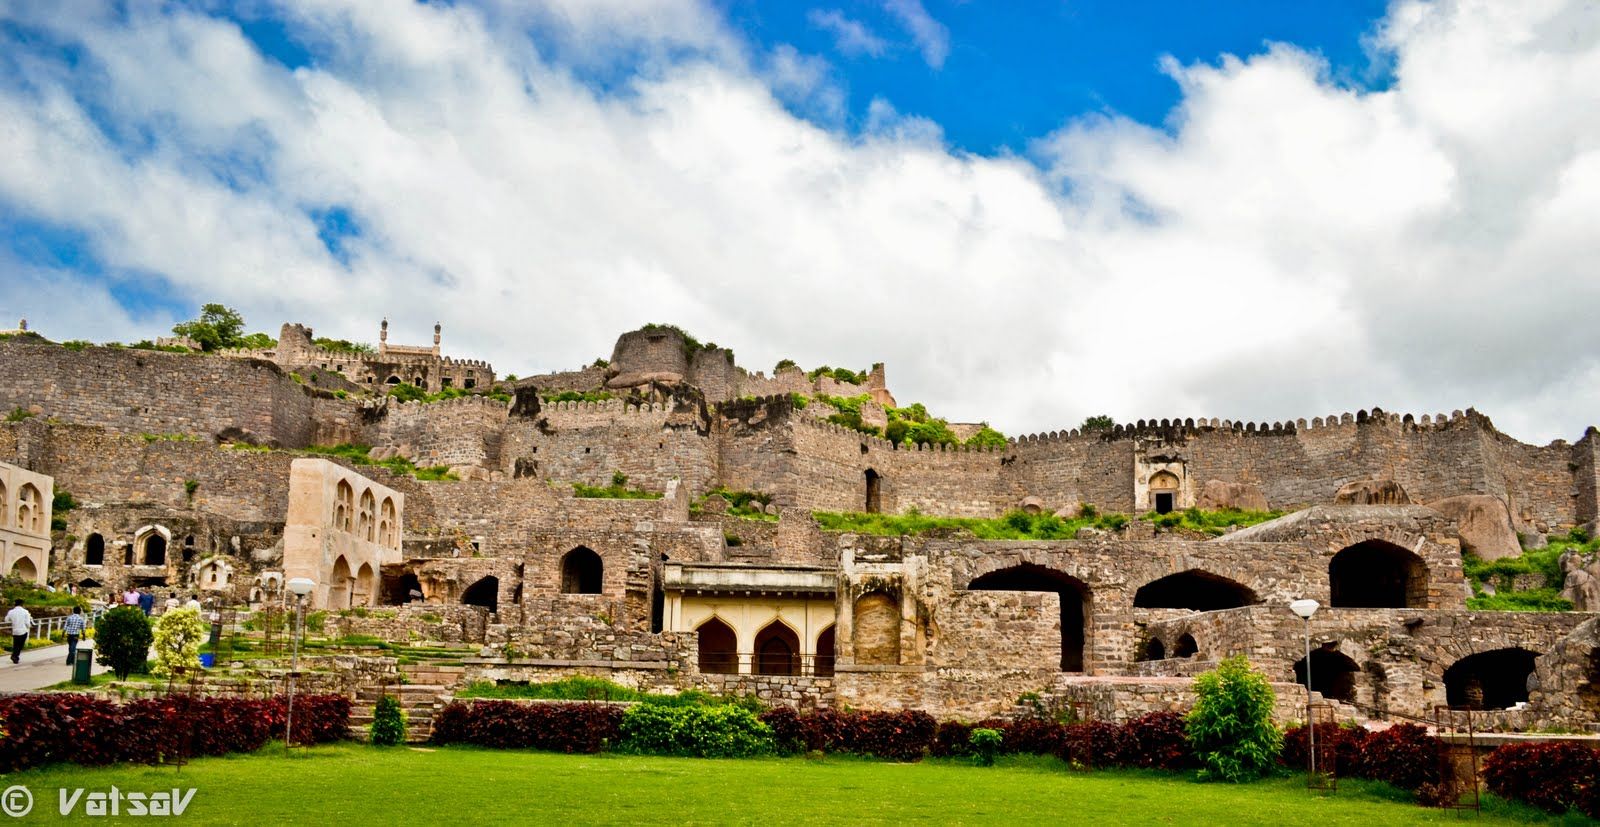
column 39, row 668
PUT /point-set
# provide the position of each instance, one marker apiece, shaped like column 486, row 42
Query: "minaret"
column 436, row 338
column 383, row 336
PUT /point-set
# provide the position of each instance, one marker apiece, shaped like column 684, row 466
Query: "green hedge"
column 696, row 731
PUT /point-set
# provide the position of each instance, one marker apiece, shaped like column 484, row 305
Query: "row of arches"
column 1370, row 574
column 366, row 519
column 777, row 650
column 149, row 548
column 29, row 508
column 1494, row 679
column 581, row 572
column 348, row 588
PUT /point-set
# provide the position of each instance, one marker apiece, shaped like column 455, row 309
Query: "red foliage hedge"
column 1344, row 744
column 558, row 727
column 1552, row 775
column 83, row 729
column 1404, row 755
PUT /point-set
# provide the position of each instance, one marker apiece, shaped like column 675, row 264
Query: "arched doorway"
column 1164, row 492
column 718, row 648
column 777, row 650
column 581, row 571
column 1186, row 647
column 1377, row 575
column 1154, row 649
column 1196, row 590
column 823, row 665
column 1497, row 679
column 485, row 593
column 339, row 585
column 1076, row 606
column 24, row 569
column 403, row 589
column 1333, row 674
column 874, row 499
column 154, row 551
column 875, row 631
column 363, row 588
column 94, row 550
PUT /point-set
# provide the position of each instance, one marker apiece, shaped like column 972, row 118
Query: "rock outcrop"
column 1485, row 525
column 1217, row 495
column 1371, row 492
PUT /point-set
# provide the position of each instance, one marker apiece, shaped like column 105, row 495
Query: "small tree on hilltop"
column 218, row 327
column 1231, row 727
column 1098, row 423
column 122, row 639
column 177, row 638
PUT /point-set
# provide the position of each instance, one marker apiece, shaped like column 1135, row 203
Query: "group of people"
column 21, row 622
column 146, row 601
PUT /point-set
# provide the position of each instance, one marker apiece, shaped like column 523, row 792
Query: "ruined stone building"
column 191, row 474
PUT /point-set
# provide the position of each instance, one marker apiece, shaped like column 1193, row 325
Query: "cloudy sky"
column 1031, row 212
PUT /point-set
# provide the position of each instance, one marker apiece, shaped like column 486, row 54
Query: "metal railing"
column 43, row 628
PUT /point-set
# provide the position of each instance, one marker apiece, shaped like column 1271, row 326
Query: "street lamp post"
column 300, row 587
column 1305, row 609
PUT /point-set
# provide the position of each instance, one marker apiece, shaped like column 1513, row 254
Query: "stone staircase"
column 428, row 689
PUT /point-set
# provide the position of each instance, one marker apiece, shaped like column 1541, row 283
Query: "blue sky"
column 1032, row 212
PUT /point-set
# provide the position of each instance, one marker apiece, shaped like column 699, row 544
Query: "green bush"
column 1231, row 727
column 122, row 639
column 388, row 722
column 695, row 731
column 985, row 745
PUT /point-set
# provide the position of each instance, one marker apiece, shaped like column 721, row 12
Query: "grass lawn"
column 355, row 784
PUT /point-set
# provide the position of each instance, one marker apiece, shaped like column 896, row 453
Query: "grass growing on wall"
column 1211, row 523
column 361, row 455
column 617, row 490
column 585, row 688
column 1014, row 525
column 1544, row 562
column 744, row 504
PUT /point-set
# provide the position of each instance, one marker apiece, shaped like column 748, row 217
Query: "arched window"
column 1186, row 647
column 28, row 505
column 343, row 504
column 388, row 525
column 153, row 550
column 875, row 633
column 1154, row 649
column 823, row 666
column 1163, row 492
column 874, row 499
column 1333, row 674
column 485, row 593
column 365, row 523
column 1196, row 590
column 1497, row 679
column 94, row 551
column 366, row 581
column 339, row 585
column 188, row 548
column 1378, row 575
column 24, row 569
column 1076, row 603
column 718, row 648
column 777, row 650
column 581, row 572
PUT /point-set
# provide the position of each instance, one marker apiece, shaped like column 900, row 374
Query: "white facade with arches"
column 25, row 499
column 342, row 528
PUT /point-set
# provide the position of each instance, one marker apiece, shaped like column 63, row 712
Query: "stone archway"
column 1076, row 603
column 1496, row 679
column 1377, row 574
column 718, row 648
column 1196, row 590
column 777, row 650
column 339, row 585
column 822, row 666
column 485, row 593
column 94, row 550
column 582, row 572
column 1333, row 674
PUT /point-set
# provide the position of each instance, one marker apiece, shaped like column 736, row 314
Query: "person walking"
column 147, row 601
column 130, row 597
column 21, row 622
column 73, row 627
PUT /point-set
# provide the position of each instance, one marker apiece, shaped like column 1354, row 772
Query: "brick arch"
column 1378, row 574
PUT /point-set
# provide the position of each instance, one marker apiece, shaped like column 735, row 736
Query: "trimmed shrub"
column 953, row 739
column 388, row 722
column 1230, row 727
column 1093, row 744
column 1404, row 755
column 1034, row 736
column 1342, row 742
column 1553, row 775
column 122, row 639
column 899, row 736
column 985, row 745
column 826, row 731
column 695, row 731
column 558, row 727
column 1158, row 740
column 178, row 634
column 788, row 730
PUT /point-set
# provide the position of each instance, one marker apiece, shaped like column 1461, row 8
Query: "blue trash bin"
column 207, row 660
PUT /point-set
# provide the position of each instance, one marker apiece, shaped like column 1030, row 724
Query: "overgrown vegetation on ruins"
column 690, row 343
column 910, row 426
column 1014, row 525
column 1209, row 523
column 361, row 455
column 407, row 392
column 617, row 490
column 749, row 505
column 1493, row 581
column 573, row 396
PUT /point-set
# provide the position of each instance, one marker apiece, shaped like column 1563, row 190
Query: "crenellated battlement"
column 1196, row 427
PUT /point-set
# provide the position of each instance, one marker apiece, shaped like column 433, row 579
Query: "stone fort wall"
column 589, row 441
column 454, row 432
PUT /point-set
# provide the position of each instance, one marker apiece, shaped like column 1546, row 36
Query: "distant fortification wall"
column 463, row 431
column 142, row 391
column 589, row 441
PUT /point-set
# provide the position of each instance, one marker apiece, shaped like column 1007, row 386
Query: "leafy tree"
column 177, row 639
column 407, row 392
column 987, row 437
column 217, row 328
column 1098, row 423
column 782, row 364
column 342, row 345
column 123, row 638
column 388, row 722
column 258, row 341
column 1231, row 726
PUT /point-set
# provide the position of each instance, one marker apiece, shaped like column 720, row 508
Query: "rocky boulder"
column 1217, row 495
column 1485, row 525
column 1582, row 581
column 1371, row 492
